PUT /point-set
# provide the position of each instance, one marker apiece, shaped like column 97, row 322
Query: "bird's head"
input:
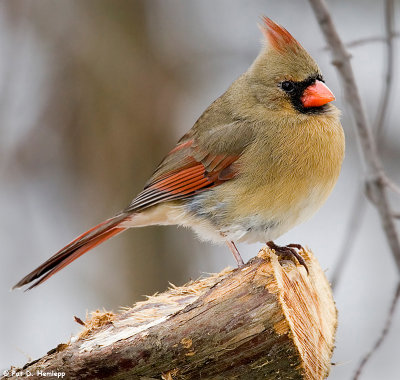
column 284, row 77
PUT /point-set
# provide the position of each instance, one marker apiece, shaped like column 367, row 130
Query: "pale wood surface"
column 266, row 320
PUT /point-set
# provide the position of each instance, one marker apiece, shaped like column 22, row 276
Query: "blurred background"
column 94, row 93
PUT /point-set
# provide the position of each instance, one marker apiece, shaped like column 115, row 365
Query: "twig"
column 375, row 173
column 353, row 225
column 367, row 40
column 383, row 335
column 384, row 101
column 376, row 177
column 391, row 185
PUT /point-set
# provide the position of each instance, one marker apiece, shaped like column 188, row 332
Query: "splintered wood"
column 265, row 320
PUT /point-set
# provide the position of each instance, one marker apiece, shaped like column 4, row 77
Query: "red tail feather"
column 73, row 250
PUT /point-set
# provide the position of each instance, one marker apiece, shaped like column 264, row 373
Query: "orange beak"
column 316, row 95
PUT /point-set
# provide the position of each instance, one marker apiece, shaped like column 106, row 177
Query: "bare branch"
column 383, row 335
column 391, row 185
column 384, row 101
column 353, row 225
column 368, row 40
column 375, row 173
column 376, row 178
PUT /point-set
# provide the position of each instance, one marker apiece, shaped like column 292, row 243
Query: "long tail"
column 73, row 250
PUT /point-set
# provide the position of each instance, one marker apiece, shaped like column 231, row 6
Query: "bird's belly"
column 260, row 223
column 266, row 225
column 217, row 219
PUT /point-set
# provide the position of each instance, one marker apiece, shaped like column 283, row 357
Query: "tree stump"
column 265, row 320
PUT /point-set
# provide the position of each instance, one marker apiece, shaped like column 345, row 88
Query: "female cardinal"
column 262, row 158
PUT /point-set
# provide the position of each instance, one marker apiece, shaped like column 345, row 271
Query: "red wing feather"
column 183, row 145
column 194, row 176
column 186, row 171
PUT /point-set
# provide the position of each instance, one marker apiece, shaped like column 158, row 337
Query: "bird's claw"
column 289, row 252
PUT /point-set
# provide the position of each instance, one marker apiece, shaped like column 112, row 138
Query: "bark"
column 265, row 320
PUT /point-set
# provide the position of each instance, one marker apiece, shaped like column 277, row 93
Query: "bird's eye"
column 287, row 86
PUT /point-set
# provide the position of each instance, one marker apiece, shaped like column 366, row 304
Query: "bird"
column 261, row 159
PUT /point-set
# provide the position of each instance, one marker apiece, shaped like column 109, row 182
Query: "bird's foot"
column 288, row 252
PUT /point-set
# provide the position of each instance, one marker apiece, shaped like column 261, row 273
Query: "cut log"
column 265, row 320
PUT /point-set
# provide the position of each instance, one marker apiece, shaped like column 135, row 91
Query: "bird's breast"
column 284, row 179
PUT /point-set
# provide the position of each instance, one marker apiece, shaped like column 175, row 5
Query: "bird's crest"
column 279, row 38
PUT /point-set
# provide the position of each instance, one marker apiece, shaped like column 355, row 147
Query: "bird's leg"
column 235, row 253
column 289, row 252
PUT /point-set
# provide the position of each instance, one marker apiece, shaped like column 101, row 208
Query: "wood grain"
column 266, row 320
